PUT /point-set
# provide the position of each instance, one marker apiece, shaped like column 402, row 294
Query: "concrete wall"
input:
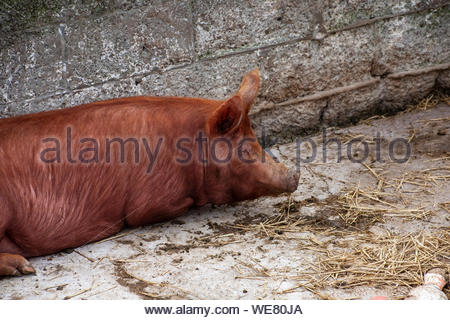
column 322, row 62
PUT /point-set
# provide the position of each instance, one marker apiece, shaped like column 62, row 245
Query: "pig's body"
column 47, row 206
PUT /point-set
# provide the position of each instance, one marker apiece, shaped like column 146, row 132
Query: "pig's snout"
column 284, row 179
column 292, row 178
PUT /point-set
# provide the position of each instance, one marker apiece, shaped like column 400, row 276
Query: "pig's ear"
column 249, row 89
column 227, row 118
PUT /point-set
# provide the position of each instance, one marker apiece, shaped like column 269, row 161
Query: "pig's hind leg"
column 14, row 265
column 11, row 263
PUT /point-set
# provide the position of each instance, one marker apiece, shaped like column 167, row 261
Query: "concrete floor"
column 200, row 256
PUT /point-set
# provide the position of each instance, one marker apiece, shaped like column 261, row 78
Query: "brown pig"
column 72, row 176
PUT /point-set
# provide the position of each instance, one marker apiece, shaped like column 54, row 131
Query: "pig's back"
column 106, row 110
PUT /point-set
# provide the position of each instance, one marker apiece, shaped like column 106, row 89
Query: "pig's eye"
column 247, row 154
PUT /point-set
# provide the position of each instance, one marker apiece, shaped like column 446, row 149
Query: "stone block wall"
column 323, row 63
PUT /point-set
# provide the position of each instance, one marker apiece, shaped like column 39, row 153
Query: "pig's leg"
column 11, row 264
column 14, row 265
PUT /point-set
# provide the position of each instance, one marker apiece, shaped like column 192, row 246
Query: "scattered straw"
column 103, row 291
column 391, row 196
column 360, row 203
column 445, row 206
column 346, row 256
column 84, row 256
column 384, row 260
column 365, row 260
column 429, row 102
column 426, row 103
column 80, row 293
column 117, row 236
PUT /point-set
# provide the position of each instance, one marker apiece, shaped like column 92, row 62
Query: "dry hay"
column 347, row 258
column 347, row 255
column 360, row 203
column 445, row 206
column 429, row 102
column 394, row 260
column 391, row 196
column 426, row 103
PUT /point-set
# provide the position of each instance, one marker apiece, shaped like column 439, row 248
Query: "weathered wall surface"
column 322, row 62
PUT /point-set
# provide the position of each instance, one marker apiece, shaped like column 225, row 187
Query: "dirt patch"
column 221, row 256
column 327, row 214
column 220, row 228
column 171, row 248
column 132, row 284
column 148, row 290
column 150, row 238
column 178, row 222
column 290, row 205
column 127, row 242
